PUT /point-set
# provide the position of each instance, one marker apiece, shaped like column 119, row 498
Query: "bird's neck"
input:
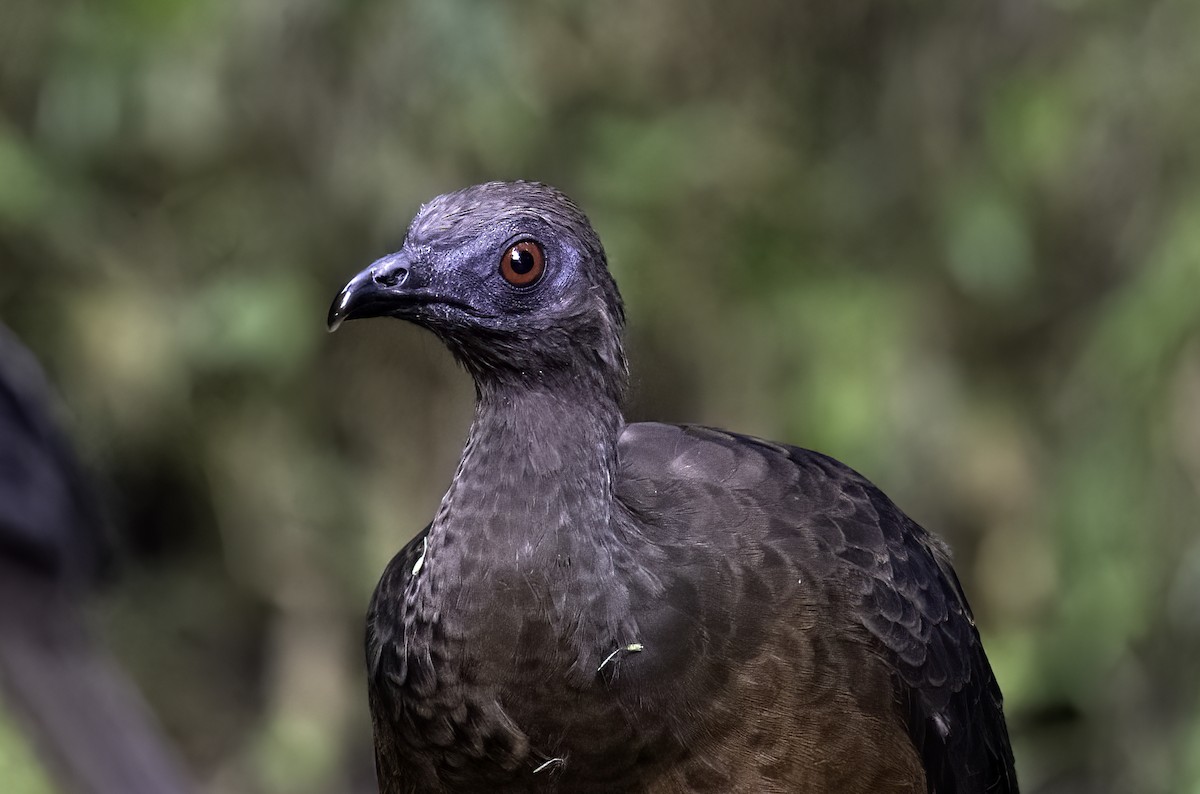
column 531, row 559
column 532, row 499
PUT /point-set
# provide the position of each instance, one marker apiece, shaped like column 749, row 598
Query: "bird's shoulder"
column 388, row 672
column 385, row 613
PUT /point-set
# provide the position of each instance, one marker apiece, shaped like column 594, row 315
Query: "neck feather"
column 529, row 541
column 533, row 493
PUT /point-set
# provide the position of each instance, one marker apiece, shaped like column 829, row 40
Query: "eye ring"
column 523, row 263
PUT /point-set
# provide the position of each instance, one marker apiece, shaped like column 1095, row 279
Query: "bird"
column 87, row 720
column 603, row 606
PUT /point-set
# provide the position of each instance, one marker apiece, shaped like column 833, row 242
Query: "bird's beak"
column 384, row 288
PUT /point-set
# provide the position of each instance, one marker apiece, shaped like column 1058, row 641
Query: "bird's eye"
column 523, row 263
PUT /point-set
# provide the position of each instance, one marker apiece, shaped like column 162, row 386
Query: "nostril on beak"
column 390, row 277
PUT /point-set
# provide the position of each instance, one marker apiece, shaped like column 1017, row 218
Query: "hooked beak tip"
column 337, row 312
column 380, row 290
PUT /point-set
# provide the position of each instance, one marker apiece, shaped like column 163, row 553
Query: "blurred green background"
column 955, row 245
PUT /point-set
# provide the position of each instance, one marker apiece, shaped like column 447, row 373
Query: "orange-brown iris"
column 523, row 263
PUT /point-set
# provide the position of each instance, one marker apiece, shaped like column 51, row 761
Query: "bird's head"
column 511, row 276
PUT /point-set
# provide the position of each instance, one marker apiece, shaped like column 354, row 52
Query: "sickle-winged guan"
column 609, row 607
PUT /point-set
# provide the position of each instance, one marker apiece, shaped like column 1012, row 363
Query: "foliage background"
column 954, row 245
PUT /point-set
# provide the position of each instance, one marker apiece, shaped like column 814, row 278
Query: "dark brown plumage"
column 602, row 607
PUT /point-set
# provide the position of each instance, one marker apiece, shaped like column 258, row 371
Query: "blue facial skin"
column 447, row 278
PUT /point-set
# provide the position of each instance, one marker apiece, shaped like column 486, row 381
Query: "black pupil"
column 522, row 261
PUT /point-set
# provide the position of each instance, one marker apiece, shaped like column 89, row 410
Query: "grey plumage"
column 607, row 607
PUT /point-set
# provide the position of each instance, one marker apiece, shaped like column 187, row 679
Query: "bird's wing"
column 897, row 578
column 910, row 599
